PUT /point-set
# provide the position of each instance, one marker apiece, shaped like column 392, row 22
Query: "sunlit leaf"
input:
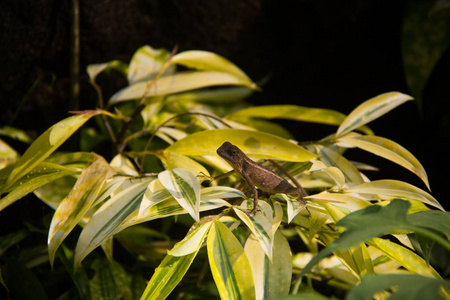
column 123, row 165
column 350, row 202
column 294, row 112
column 373, row 221
column 390, row 150
column 192, row 241
column 371, row 110
column 185, row 188
column 146, row 63
column 40, row 175
column 272, row 279
column 173, row 160
column 45, row 144
column 407, row 286
column 333, row 159
column 209, row 61
column 260, row 225
column 178, row 82
column 167, row 276
column 253, row 143
column 8, row 155
column 77, row 203
column 405, row 257
column 104, row 222
column 229, row 264
column 395, row 189
column 15, row 133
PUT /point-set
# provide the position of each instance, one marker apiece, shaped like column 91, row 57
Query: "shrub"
column 358, row 237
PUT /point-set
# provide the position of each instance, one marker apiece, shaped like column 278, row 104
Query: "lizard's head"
column 229, row 152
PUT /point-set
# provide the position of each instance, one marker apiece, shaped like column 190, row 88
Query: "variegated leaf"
column 108, row 217
column 185, row 188
column 192, row 241
column 229, row 264
column 77, row 203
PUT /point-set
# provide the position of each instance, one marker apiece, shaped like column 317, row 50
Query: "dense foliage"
column 359, row 238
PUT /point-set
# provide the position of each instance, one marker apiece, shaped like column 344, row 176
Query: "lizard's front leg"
column 255, row 193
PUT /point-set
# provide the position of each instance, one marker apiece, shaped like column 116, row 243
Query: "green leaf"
column 185, row 188
column 108, row 217
column 192, row 242
column 294, row 112
column 407, row 286
column 15, row 133
column 77, row 203
column 371, row 110
column 373, row 221
column 332, row 158
column 390, row 150
column 432, row 219
column 204, row 60
column 405, row 257
column 146, row 63
column 229, row 264
column 179, row 82
column 253, row 143
column 213, row 95
column 395, row 189
column 272, row 279
column 46, row 144
column 40, row 175
column 166, row 277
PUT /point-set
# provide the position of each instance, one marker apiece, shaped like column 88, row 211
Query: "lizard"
column 256, row 175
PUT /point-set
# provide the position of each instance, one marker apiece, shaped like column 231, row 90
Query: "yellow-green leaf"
column 253, row 143
column 173, row 160
column 272, row 279
column 45, row 144
column 185, row 188
column 405, row 257
column 204, row 60
column 229, row 264
column 390, row 150
column 40, row 175
column 333, row 159
column 179, row 82
column 395, row 189
column 108, row 217
column 371, row 110
column 294, row 112
column 192, row 241
column 77, row 203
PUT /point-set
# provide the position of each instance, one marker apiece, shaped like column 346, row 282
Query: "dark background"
column 329, row 54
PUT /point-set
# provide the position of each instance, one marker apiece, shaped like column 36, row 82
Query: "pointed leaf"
column 173, row 160
column 333, row 159
column 146, row 63
column 253, row 143
column 192, row 242
column 272, row 279
column 407, row 286
column 179, row 82
column 395, row 189
column 104, row 222
column 390, row 150
column 204, row 60
column 45, row 144
column 229, row 264
column 185, row 188
column 95, row 69
column 260, row 225
column 167, row 276
column 373, row 221
column 294, row 112
column 40, row 175
column 77, row 203
column 371, row 110
column 405, row 257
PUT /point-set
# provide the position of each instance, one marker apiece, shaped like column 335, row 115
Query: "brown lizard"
column 256, row 175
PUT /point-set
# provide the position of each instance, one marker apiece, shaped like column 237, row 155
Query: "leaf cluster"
column 359, row 237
